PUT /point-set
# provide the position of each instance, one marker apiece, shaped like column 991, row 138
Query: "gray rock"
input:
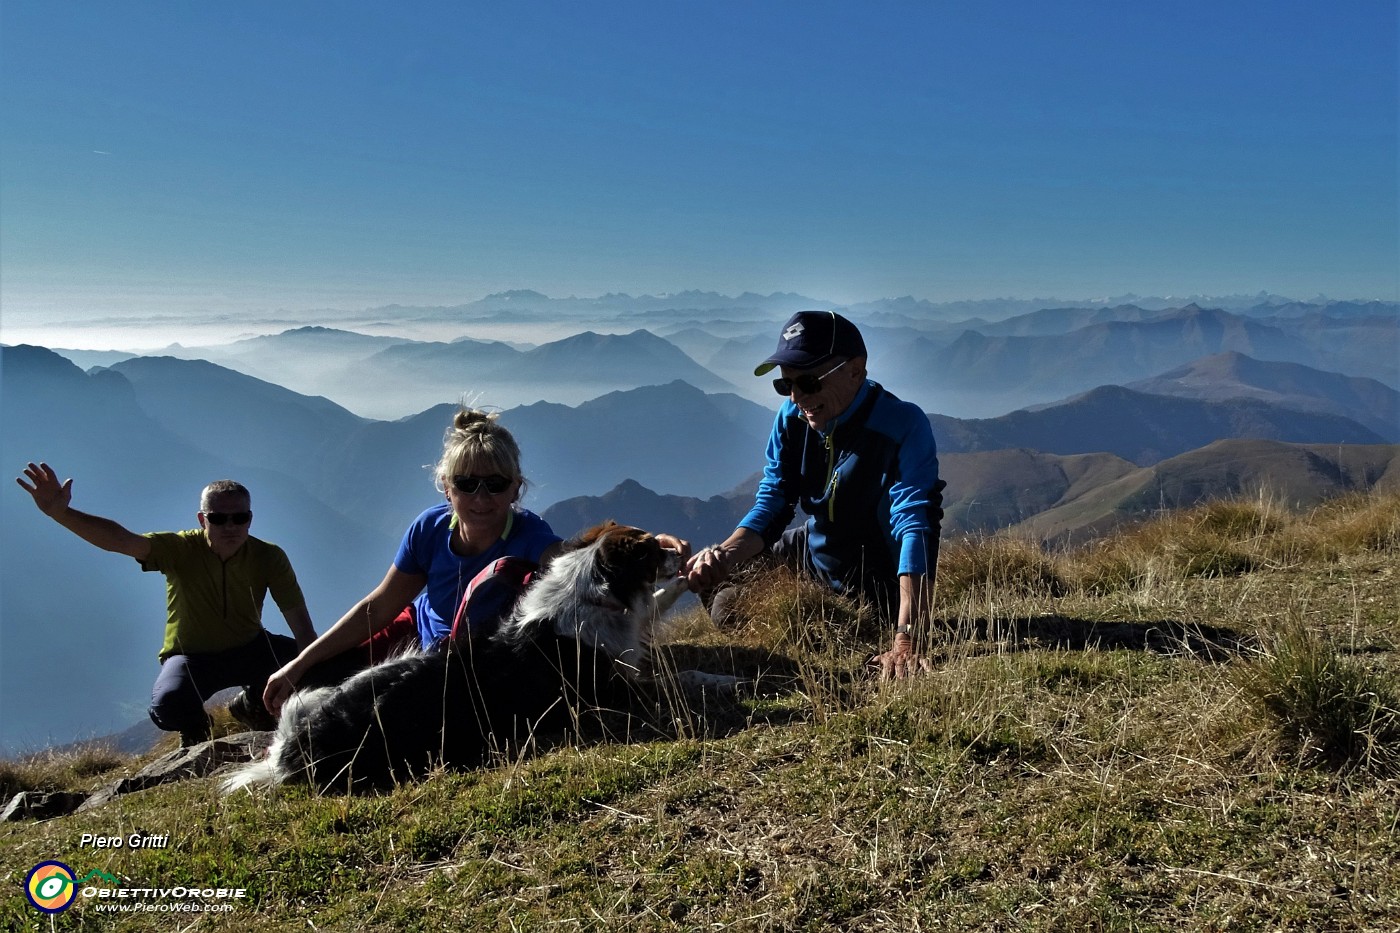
column 40, row 805
column 196, row 761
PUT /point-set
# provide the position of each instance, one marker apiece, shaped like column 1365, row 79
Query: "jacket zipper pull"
column 830, row 477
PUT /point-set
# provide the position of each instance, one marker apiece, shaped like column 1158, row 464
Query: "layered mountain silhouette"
column 411, row 360
column 1056, row 322
column 380, row 471
column 302, row 359
column 244, row 420
column 290, row 346
column 390, row 378
column 1229, row 376
column 610, row 360
column 1003, row 488
column 987, row 368
column 1357, row 345
column 671, row 438
column 971, row 368
column 523, row 303
column 699, row 521
column 1144, row 428
column 1107, row 353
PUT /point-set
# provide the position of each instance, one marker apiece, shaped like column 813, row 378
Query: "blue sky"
column 171, row 158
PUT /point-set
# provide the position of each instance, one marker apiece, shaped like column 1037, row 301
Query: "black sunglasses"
column 220, row 518
column 495, row 484
column 809, row 384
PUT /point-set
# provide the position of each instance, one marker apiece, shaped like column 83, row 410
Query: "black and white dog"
column 579, row 640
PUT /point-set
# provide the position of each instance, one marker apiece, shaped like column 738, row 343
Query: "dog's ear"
column 629, row 545
column 588, row 536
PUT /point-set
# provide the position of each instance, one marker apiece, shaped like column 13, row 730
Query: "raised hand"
column 51, row 496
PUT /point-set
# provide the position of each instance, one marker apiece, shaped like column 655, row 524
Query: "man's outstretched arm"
column 54, row 499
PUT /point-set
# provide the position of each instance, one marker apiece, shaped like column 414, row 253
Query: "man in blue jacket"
column 862, row 465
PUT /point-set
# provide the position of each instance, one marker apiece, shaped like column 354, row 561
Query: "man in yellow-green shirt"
column 216, row 580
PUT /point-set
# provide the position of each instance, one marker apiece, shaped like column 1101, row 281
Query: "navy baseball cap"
column 810, row 338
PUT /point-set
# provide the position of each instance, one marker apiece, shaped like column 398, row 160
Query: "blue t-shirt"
column 426, row 549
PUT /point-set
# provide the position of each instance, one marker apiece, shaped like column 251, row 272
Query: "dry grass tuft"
column 1009, row 566
column 1231, row 538
column 1360, row 521
column 779, row 610
column 59, row 769
column 1198, row 543
column 1329, row 708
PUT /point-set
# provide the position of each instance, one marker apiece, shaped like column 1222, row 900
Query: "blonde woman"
column 479, row 521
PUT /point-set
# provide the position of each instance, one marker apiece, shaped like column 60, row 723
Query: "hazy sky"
column 174, row 157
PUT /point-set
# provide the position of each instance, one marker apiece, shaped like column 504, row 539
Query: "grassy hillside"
column 1192, row 725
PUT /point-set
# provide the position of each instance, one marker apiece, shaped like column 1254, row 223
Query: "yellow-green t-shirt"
column 214, row 604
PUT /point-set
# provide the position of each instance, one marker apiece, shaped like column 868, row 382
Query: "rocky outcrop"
column 40, row 805
column 196, row 761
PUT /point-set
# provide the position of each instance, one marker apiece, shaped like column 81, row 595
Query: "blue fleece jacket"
column 869, row 483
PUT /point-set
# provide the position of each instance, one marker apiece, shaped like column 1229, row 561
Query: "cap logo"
column 793, row 332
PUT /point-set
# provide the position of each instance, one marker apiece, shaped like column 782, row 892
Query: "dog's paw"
column 668, row 592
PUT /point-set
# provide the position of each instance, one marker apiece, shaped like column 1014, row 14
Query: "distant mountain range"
column 699, row 521
column 529, row 305
column 227, row 414
column 388, row 378
column 1231, row 376
column 967, row 368
column 614, row 305
column 1040, row 368
column 1145, row 428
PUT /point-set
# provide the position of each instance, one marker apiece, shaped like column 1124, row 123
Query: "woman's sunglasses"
column 220, row 518
column 809, row 384
column 495, row 484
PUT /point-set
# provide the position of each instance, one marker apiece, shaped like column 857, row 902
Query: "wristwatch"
column 904, row 630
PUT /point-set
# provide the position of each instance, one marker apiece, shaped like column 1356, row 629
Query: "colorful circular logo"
column 51, row 887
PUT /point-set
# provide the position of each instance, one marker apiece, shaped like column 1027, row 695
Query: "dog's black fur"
column 577, row 642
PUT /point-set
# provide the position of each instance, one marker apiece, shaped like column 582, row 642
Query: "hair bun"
column 468, row 418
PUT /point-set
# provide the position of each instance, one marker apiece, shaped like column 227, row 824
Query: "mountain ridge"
column 1141, row 427
column 1234, row 375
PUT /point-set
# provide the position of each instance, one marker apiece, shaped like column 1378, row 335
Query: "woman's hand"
column 672, row 543
column 280, row 687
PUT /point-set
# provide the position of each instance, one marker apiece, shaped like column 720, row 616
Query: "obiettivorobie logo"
column 52, row 887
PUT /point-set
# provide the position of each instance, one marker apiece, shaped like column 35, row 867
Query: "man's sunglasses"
column 495, row 484
column 220, row 518
column 809, row 384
